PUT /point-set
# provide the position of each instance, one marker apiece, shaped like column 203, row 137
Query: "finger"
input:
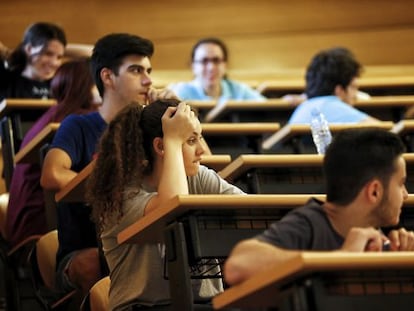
column 394, row 239
column 411, row 241
column 170, row 112
column 403, row 236
column 374, row 244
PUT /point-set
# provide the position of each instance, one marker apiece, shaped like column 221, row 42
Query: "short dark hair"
column 110, row 50
column 212, row 40
column 357, row 156
column 329, row 68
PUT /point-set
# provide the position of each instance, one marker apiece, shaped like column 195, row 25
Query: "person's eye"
column 192, row 141
column 136, row 69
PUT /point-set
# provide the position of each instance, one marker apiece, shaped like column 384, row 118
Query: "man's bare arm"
column 56, row 171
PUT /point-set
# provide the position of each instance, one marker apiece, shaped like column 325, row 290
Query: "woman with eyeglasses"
column 209, row 59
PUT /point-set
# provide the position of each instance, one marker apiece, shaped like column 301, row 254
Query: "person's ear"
column 375, row 191
column 340, row 92
column 106, row 76
column 158, row 146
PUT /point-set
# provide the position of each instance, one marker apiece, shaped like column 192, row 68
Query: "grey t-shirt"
column 304, row 228
column 137, row 270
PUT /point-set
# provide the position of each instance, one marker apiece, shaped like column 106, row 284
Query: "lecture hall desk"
column 192, row 225
column 325, row 281
column 74, row 191
column 374, row 85
column 237, row 138
column 297, row 138
column 16, row 117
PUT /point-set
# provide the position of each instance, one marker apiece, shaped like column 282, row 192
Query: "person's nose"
column 405, row 194
column 200, row 149
column 147, row 81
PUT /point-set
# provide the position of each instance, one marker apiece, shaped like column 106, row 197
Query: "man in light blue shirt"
column 331, row 88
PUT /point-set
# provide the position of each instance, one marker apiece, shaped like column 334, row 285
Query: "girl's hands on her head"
column 178, row 123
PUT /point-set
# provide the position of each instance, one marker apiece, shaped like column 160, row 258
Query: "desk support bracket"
column 178, row 272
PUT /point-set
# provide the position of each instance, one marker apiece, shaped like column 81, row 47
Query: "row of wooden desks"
column 375, row 85
column 387, row 108
column 196, row 227
column 283, row 173
column 297, row 137
column 74, row 191
column 254, row 131
column 191, row 225
column 222, row 139
column 243, row 138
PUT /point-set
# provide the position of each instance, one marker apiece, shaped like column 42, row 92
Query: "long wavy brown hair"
column 125, row 156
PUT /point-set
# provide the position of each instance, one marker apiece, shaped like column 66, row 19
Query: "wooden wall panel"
column 261, row 34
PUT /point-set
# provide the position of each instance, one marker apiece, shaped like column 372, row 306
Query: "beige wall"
column 261, row 34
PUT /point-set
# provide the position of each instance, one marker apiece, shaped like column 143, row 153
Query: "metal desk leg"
column 178, row 269
column 7, row 150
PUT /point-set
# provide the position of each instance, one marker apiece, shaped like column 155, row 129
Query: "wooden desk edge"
column 306, row 263
column 24, row 153
column 75, row 182
column 182, row 203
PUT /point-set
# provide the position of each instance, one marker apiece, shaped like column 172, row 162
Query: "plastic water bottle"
column 320, row 131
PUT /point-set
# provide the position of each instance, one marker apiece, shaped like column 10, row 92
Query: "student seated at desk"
column 331, row 88
column 146, row 157
column 121, row 67
column 27, row 71
column 365, row 177
column 75, row 92
column 209, row 57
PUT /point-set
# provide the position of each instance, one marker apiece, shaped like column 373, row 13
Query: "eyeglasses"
column 213, row 60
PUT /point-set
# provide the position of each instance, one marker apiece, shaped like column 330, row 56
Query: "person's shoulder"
column 236, row 85
column 241, row 90
column 202, row 172
column 78, row 121
column 73, row 117
column 312, row 207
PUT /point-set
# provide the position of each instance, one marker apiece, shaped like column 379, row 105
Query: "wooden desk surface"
column 74, row 191
column 240, row 105
column 262, row 289
column 8, row 105
column 277, row 104
column 239, row 128
column 216, row 161
column 298, row 84
column 30, row 152
column 247, row 161
column 202, row 104
column 150, row 228
column 292, row 130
